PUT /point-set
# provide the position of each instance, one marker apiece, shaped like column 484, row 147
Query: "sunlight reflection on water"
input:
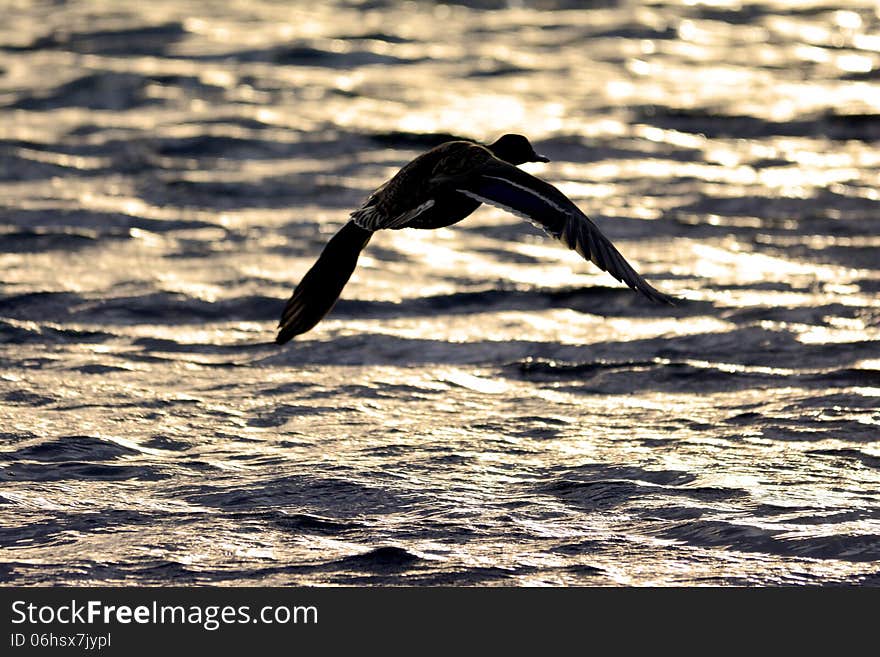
column 482, row 407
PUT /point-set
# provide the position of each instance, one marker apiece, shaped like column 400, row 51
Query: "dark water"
column 482, row 407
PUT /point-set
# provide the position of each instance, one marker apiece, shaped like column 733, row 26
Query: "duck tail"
column 320, row 288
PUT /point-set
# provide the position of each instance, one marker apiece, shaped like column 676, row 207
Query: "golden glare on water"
column 482, row 406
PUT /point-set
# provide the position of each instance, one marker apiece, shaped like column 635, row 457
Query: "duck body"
column 440, row 188
column 445, row 212
column 419, row 196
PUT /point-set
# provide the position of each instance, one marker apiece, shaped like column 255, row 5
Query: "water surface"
column 482, row 407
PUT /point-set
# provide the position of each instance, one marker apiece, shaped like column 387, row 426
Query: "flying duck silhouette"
column 440, row 188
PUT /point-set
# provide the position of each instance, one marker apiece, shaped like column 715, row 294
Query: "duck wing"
column 373, row 218
column 520, row 193
column 320, row 288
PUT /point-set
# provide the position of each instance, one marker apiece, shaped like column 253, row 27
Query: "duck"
column 439, row 188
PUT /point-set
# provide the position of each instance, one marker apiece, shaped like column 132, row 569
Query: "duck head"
column 515, row 149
